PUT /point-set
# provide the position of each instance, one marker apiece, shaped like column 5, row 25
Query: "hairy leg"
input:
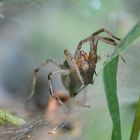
column 106, row 31
column 50, row 75
column 73, row 66
column 93, row 38
column 35, row 74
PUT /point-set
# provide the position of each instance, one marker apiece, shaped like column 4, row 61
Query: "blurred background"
column 32, row 31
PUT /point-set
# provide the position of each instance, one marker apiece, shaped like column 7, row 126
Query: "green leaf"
column 136, row 124
column 7, row 117
column 110, row 82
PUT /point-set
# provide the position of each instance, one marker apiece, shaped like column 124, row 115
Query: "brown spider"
column 78, row 70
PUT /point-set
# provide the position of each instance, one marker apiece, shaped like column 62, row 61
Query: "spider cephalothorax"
column 78, row 70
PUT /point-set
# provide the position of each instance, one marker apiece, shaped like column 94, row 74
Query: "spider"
column 78, row 70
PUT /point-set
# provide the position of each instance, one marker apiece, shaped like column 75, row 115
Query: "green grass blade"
column 6, row 117
column 136, row 124
column 110, row 82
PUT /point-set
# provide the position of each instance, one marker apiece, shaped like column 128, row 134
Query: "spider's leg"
column 35, row 74
column 93, row 50
column 53, row 62
column 73, row 66
column 77, row 52
column 50, row 75
column 94, row 44
column 70, row 59
column 93, row 38
column 106, row 31
column 106, row 40
column 65, row 72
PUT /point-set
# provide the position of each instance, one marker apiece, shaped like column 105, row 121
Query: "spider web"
column 16, row 17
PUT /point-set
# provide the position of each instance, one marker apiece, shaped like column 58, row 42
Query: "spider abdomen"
column 71, row 83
